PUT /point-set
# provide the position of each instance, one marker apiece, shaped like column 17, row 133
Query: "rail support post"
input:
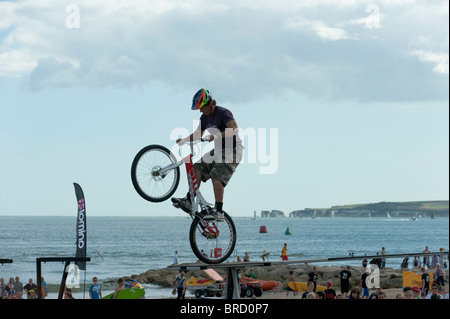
column 233, row 288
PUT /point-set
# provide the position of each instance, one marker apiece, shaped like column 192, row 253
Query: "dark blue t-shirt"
column 217, row 122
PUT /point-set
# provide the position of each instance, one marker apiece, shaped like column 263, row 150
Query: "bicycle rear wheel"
column 211, row 241
column 147, row 180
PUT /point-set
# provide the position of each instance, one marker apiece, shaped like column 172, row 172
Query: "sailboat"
column 315, row 214
column 388, row 215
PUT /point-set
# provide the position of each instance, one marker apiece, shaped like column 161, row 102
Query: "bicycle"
column 155, row 174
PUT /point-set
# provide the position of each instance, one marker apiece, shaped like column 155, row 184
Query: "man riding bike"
column 221, row 162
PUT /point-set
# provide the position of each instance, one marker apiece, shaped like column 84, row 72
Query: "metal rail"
column 231, row 267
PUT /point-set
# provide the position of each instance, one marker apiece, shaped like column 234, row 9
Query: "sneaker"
column 183, row 203
column 216, row 215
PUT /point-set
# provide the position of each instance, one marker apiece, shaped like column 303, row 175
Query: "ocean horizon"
column 124, row 245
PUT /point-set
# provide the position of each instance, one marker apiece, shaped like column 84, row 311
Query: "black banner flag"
column 81, row 227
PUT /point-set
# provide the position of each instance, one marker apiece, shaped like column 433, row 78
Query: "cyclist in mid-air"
column 221, row 162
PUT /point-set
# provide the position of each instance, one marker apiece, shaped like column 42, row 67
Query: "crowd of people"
column 361, row 291
column 15, row 289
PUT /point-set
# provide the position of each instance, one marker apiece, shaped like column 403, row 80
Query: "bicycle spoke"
column 146, row 179
column 213, row 242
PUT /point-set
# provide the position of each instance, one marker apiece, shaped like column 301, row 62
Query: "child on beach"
column 119, row 287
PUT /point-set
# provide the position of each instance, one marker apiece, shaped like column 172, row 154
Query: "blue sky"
column 357, row 91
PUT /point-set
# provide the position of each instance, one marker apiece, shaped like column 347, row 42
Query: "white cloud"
column 321, row 29
column 247, row 46
column 440, row 60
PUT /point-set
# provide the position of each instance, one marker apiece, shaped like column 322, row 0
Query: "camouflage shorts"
column 219, row 165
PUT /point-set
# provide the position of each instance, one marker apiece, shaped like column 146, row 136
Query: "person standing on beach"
column 95, row 290
column 354, row 293
column 426, row 259
column 364, row 263
column 439, row 277
column 312, row 277
column 365, row 289
column 291, row 279
column 425, row 282
column 44, row 288
column 29, row 286
column 383, row 260
column 330, row 293
column 284, row 255
column 346, row 278
column 119, row 287
column 18, row 287
column 2, row 287
column 180, row 285
column 416, row 262
column 68, row 294
column 309, row 290
column 175, row 258
column 441, row 257
column 265, row 255
column 435, row 292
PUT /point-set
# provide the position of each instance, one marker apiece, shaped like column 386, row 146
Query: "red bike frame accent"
column 192, row 178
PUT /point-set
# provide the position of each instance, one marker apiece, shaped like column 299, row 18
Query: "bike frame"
column 195, row 195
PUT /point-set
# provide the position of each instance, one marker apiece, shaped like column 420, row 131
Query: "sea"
column 123, row 246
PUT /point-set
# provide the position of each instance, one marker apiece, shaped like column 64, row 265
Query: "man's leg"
column 218, row 190
column 198, row 174
column 185, row 202
column 218, row 193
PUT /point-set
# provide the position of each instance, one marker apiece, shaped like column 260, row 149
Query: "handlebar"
column 191, row 145
column 195, row 142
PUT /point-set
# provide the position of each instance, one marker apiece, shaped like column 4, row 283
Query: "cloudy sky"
column 339, row 102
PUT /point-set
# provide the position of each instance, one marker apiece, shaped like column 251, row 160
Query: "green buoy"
column 287, row 232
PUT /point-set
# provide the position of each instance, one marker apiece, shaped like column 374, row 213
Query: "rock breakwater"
column 389, row 277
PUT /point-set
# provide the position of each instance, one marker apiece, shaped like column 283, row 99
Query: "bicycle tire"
column 195, row 236
column 144, row 176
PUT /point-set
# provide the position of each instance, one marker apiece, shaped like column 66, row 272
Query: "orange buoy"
column 263, row 229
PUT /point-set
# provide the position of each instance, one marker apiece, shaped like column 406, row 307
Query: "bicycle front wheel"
column 211, row 241
column 147, row 180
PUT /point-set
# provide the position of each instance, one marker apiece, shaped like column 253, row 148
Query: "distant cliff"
column 382, row 209
column 273, row 213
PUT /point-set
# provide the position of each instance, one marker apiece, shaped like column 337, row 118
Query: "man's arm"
column 198, row 133
column 231, row 129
